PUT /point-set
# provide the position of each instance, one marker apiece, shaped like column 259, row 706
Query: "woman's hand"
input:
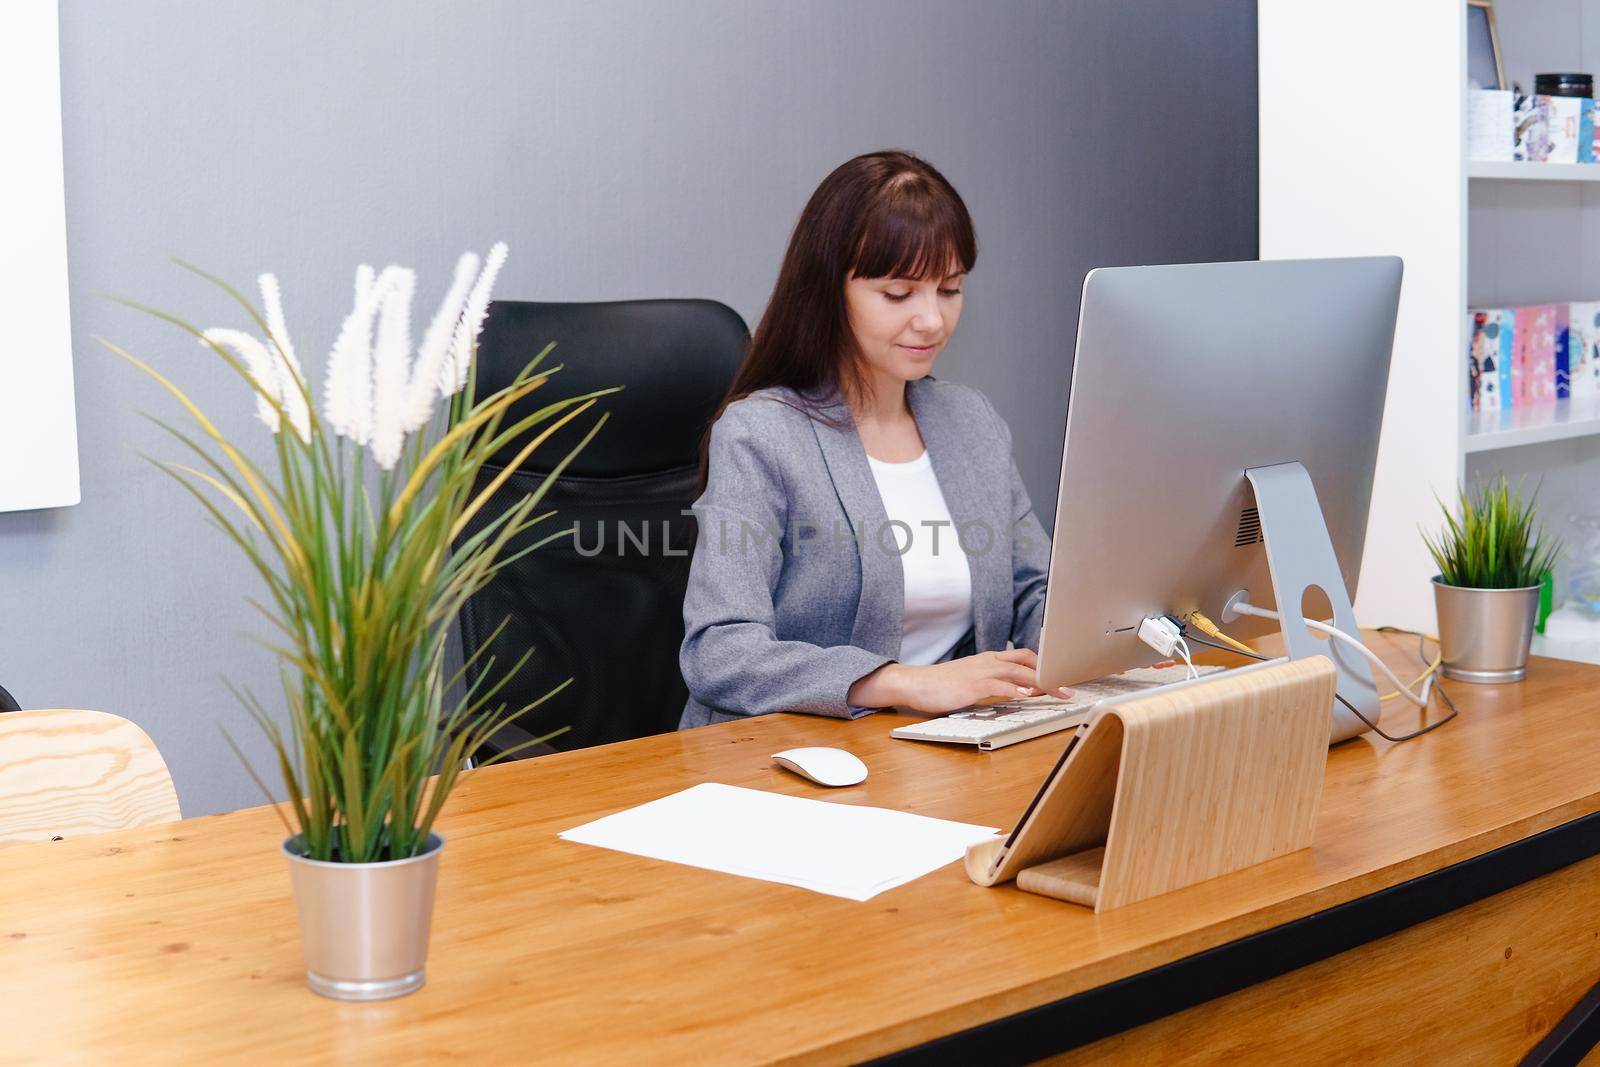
column 986, row 678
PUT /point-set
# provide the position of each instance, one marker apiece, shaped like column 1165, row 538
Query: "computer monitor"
column 1207, row 400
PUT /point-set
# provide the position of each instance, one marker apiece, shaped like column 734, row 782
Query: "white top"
column 938, row 609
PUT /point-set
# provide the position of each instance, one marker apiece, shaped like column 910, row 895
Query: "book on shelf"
column 1563, row 366
column 1490, row 125
column 1521, row 342
column 1507, row 318
column 1488, row 363
column 1583, row 350
column 1503, row 126
column 1531, row 130
column 1563, row 117
column 1523, row 356
column 1539, row 376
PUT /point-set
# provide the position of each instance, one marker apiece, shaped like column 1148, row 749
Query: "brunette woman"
column 865, row 538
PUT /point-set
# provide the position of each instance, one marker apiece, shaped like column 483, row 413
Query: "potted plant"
column 1492, row 561
column 358, row 530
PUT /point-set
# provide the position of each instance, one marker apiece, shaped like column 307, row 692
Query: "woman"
column 865, row 539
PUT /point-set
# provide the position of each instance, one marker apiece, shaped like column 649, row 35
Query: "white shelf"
column 1536, row 172
column 1537, row 425
column 1581, row 651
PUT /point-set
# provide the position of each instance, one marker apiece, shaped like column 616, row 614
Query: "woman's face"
column 900, row 324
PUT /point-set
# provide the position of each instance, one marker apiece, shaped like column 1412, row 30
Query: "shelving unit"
column 1574, row 650
column 1563, row 420
column 1347, row 174
column 1534, row 172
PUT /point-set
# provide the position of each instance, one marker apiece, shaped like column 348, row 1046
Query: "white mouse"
column 825, row 766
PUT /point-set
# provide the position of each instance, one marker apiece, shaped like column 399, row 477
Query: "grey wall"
column 624, row 150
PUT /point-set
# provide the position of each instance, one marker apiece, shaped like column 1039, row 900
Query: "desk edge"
column 1095, row 1014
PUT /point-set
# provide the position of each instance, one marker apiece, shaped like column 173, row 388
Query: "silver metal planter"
column 364, row 926
column 1484, row 634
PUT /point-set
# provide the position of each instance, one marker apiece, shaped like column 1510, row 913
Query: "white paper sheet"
column 1490, row 124
column 843, row 850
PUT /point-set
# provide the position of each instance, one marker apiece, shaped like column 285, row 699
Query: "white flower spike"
column 466, row 335
column 391, row 368
column 292, row 389
column 375, row 391
column 428, row 377
column 259, row 362
column 347, row 397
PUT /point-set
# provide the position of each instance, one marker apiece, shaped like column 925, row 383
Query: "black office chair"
column 8, row 702
column 604, row 608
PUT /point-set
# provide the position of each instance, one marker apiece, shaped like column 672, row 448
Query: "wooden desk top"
column 181, row 940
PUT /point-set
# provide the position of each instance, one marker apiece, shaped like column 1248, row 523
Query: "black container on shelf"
column 1563, row 84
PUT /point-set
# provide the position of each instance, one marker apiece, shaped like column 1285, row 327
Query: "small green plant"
column 1493, row 543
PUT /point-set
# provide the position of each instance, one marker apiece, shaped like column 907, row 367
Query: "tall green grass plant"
column 1492, row 542
column 359, row 533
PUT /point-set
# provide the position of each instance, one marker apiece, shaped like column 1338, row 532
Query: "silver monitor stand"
column 1299, row 557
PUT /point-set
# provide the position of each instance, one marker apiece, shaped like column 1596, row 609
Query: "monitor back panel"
column 1184, row 377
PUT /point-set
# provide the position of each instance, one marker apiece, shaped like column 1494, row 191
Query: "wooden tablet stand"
column 1188, row 783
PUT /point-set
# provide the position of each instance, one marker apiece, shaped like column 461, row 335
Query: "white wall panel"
column 38, row 430
column 1351, row 167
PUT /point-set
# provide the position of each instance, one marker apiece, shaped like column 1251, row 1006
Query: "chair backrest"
column 73, row 773
column 603, row 605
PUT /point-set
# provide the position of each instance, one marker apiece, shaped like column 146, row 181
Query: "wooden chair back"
column 72, row 773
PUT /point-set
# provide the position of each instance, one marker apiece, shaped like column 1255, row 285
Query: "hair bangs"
column 915, row 229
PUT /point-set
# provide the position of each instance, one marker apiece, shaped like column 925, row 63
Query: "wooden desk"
column 179, row 942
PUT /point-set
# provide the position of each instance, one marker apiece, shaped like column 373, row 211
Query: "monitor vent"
column 1249, row 528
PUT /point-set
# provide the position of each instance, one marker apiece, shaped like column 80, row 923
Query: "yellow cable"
column 1206, row 626
column 1438, row 656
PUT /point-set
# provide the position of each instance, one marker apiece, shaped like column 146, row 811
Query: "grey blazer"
column 796, row 588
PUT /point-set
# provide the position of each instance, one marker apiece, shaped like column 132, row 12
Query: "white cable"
column 1355, row 642
column 1183, row 650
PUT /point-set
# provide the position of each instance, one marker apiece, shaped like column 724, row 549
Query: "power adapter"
column 1161, row 634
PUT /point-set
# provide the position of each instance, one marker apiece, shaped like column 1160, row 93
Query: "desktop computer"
column 1222, row 429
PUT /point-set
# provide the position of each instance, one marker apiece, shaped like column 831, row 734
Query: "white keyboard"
column 999, row 725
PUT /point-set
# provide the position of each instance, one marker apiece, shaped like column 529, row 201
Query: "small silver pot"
column 364, row 926
column 1484, row 634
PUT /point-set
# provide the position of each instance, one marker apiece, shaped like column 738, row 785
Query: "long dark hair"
column 881, row 215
